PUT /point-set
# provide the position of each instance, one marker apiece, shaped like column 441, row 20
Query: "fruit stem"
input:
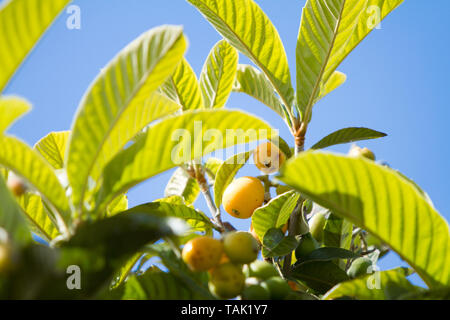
column 267, row 185
column 278, row 267
column 299, row 136
column 198, row 172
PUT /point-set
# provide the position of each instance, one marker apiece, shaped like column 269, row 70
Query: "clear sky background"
column 397, row 82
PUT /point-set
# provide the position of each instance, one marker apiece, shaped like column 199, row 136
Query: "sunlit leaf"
column 248, row 29
column 226, row 174
column 181, row 184
column 274, row 214
column 183, row 87
column 53, row 148
column 22, row 23
column 38, row 217
column 212, row 165
column 336, row 80
column 348, row 135
column 253, row 82
column 218, row 74
column 121, row 102
column 379, row 200
column 27, row 163
column 119, row 204
column 11, row 108
column 329, row 31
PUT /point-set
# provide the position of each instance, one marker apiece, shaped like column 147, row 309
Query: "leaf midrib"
column 310, row 104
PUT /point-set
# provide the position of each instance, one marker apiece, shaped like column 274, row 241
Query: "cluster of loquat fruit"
column 233, row 268
column 231, row 261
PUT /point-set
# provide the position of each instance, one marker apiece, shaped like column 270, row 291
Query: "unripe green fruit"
column 277, row 287
column 240, row 247
column 261, row 270
column 359, row 267
column 307, row 245
column 255, row 292
column 316, row 225
column 227, row 281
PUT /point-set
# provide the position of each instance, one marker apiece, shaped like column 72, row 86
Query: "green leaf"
column 197, row 220
column 329, row 31
column 337, row 232
column 171, row 199
column 253, row 82
column 348, row 135
column 226, row 174
column 377, row 286
column 218, row 74
column 11, row 108
column 156, row 285
column 177, row 140
column 11, row 217
column 120, row 103
column 336, row 80
column 320, row 276
column 435, row 294
column 274, row 214
column 246, row 27
column 53, row 148
column 18, row 39
column 39, row 217
column 27, row 163
column 275, row 244
column 379, row 200
column 118, row 205
column 212, row 166
column 183, row 87
column 125, row 270
column 181, row 184
column 329, row 254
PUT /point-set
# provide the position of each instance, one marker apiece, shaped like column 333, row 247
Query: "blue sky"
column 397, row 82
